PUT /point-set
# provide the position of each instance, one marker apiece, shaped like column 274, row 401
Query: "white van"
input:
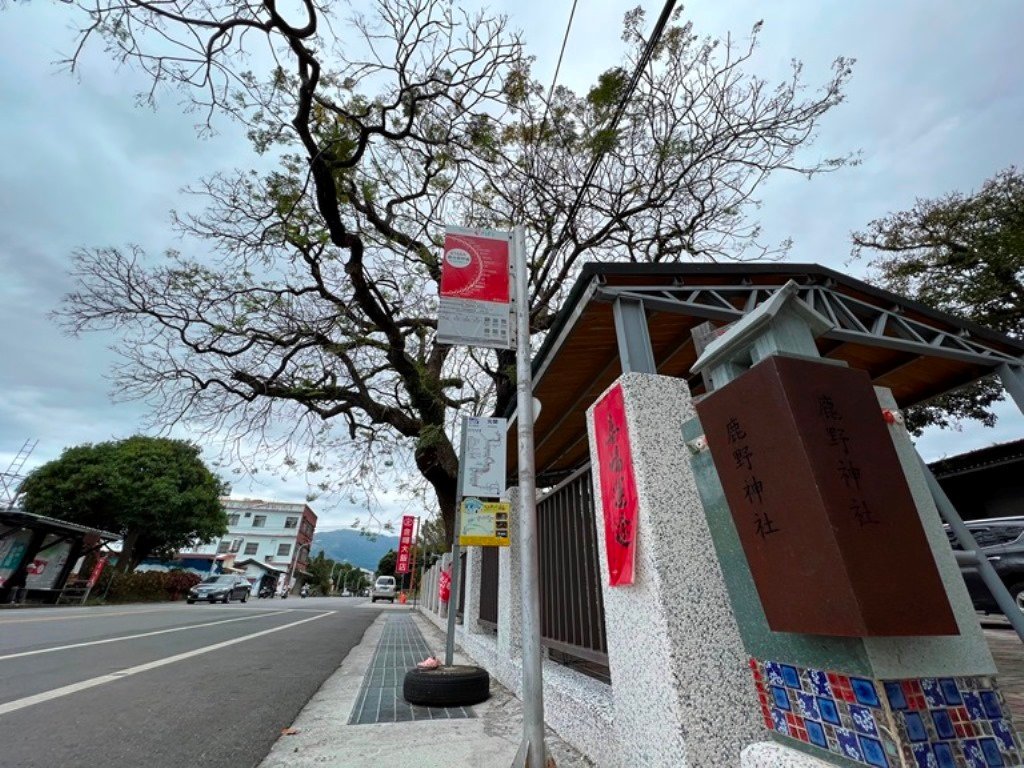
column 383, row 589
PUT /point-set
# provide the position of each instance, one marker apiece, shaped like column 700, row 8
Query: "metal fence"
column 489, row 588
column 571, row 605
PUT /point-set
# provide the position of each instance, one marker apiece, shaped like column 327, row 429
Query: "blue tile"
column 816, row 734
column 790, row 677
column 944, row 755
column 807, row 707
column 1003, row 732
column 779, row 720
column 972, row 702
column 873, row 752
column 943, row 725
column 924, row 756
column 781, row 698
column 990, row 701
column 819, row 682
column 894, row 692
column 848, row 745
column 773, row 672
column 932, row 692
column 949, row 691
column 865, row 691
column 828, row 710
column 863, row 720
column 992, row 754
column 915, row 727
column 972, row 754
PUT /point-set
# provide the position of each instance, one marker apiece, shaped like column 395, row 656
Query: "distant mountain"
column 351, row 546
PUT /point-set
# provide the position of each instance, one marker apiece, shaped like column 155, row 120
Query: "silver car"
column 220, row 589
column 383, row 589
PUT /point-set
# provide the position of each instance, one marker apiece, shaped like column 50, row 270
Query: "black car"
column 1001, row 540
column 220, row 589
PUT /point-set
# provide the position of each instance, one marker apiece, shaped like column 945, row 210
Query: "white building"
column 269, row 533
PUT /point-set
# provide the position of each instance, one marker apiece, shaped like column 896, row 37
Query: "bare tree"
column 313, row 300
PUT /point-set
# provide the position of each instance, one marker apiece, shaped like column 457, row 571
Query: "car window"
column 386, row 581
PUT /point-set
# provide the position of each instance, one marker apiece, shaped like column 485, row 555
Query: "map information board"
column 483, row 463
column 484, row 523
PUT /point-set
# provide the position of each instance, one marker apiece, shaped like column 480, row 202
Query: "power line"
column 645, row 57
column 558, row 66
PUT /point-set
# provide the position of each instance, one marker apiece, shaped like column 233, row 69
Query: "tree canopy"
column 387, row 564
column 307, row 295
column 157, row 493
column 962, row 254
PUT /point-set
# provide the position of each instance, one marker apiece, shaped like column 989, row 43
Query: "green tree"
column 312, row 302
column 386, row 566
column 320, row 568
column 155, row 492
column 962, row 254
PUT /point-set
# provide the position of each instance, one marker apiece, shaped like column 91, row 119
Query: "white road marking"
column 22, row 654
column 67, row 690
column 81, row 613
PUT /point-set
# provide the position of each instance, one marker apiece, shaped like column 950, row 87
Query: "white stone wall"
column 681, row 687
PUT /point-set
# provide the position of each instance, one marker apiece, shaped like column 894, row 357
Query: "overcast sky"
column 935, row 105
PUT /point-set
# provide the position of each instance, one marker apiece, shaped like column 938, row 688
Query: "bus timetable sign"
column 474, row 308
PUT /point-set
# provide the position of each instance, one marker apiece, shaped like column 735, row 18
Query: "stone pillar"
column 680, row 682
column 882, row 701
column 510, row 614
column 471, row 610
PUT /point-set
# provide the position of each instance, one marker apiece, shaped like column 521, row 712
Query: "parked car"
column 1001, row 540
column 383, row 589
column 223, row 589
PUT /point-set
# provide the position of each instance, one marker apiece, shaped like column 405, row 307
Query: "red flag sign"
column 618, row 486
column 444, row 585
column 405, row 545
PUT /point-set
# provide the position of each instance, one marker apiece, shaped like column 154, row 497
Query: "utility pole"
column 532, row 748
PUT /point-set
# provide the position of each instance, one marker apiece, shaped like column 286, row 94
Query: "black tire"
column 245, row 596
column 373, row 599
column 227, row 598
column 191, row 602
column 392, row 601
column 454, row 686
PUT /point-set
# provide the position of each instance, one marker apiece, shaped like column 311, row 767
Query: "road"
column 165, row 685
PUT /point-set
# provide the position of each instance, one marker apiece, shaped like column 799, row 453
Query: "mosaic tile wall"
column 957, row 722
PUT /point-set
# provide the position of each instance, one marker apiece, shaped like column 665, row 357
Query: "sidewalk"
column 385, row 730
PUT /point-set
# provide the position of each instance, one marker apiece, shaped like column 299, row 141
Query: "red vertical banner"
column 618, row 486
column 96, row 571
column 405, row 545
column 444, row 584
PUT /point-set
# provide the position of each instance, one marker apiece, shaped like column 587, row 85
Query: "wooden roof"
column 915, row 351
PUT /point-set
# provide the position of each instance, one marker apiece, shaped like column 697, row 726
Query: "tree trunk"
column 439, row 465
column 125, row 560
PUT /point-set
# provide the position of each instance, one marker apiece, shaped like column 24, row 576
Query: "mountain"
column 347, row 545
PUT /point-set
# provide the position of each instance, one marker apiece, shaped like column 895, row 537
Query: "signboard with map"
column 483, row 462
column 484, row 523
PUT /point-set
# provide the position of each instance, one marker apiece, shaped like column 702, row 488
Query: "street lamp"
column 295, row 562
column 334, row 570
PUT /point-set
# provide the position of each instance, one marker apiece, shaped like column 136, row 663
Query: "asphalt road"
column 165, row 686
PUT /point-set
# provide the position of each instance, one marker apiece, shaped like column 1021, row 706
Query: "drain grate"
column 380, row 700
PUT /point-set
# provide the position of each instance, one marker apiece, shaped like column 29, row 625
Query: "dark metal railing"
column 571, row 605
column 489, row 588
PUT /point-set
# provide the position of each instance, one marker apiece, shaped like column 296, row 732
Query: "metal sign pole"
column 532, row 747
column 453, row 593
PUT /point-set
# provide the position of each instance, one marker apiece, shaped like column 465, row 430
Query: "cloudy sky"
column 934, row 105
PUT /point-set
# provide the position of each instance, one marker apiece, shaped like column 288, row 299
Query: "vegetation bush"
column 150, row 586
